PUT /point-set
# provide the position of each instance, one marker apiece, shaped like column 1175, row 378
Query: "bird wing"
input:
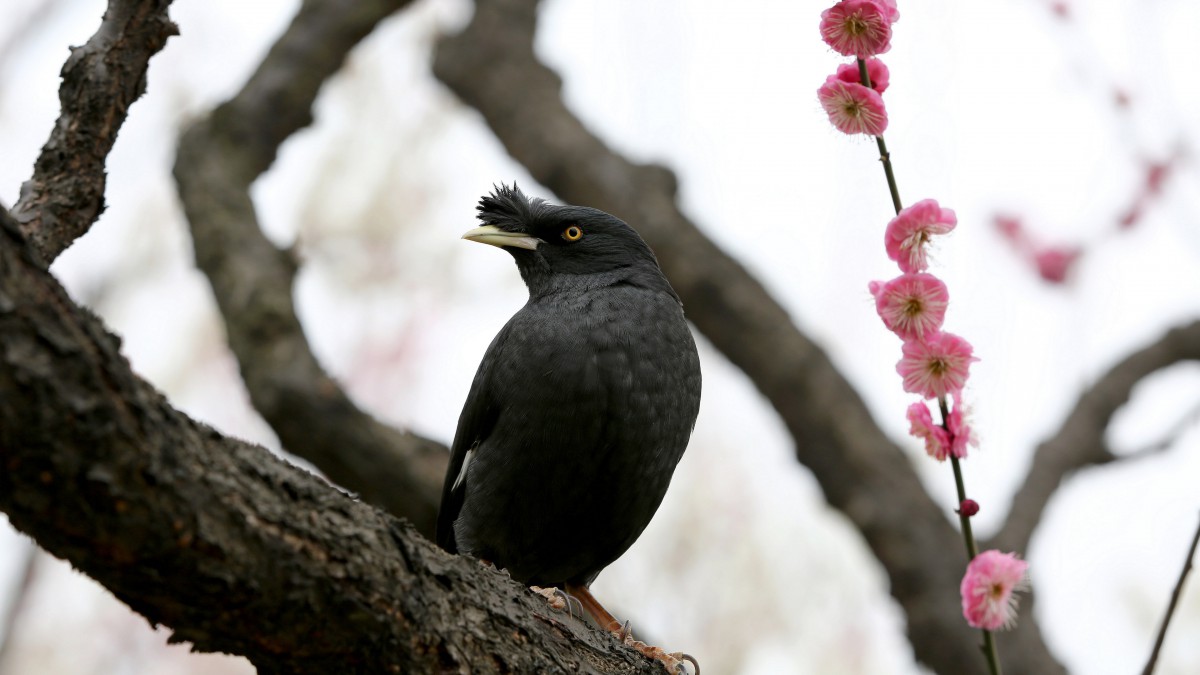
column 476, row 422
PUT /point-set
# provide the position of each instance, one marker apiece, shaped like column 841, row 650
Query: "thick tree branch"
column 492, row 67
column 1079, row 442
column 100, row 81
column 219, row 157
column 232, row 548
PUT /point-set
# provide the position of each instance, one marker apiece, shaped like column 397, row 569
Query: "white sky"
column 994, row 107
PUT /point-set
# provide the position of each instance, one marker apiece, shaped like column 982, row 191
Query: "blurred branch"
column 17, row 604
column 234, row 549
column 491, row 66
column 101, row 80
column 1079, row 442
column 219, row 157
column 1169, row 439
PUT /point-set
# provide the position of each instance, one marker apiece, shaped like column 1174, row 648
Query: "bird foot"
column 558, row 599
column 672, row 660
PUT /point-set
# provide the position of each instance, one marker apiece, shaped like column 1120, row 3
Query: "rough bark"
column 101, row 80
column 491, row 66
column 232, row 548
column 219, row 157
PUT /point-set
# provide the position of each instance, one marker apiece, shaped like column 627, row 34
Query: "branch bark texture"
column 219, row 157
column 101, row 80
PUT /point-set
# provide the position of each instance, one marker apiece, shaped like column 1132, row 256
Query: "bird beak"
column 490, row 234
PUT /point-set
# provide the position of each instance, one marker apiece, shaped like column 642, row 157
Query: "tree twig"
column 1178, row 590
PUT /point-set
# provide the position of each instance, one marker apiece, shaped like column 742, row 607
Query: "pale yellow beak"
column 490, row 234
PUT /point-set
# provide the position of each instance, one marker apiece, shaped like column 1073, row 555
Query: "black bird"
column 582, row 405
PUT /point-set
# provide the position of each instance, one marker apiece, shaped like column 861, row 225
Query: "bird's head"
column 557, row 246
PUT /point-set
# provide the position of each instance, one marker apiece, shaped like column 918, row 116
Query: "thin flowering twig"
column 964, row 519
column 935, row 364
column 1162, row 630
column 960, row 485
column 885, row 157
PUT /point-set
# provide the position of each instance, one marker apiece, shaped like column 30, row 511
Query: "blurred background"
column 1057, row 131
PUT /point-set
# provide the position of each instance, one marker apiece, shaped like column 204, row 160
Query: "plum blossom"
column 859, row 28
column 937, row 440
column 988, row 599
column 908, row 233
column 876, row 71
column 853, row 108
column 1055, row 262
column 961, row 433
column 936, row 366
column 940, row 442
column 911, row 305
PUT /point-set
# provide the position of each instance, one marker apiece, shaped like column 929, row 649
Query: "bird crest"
column 508, row 208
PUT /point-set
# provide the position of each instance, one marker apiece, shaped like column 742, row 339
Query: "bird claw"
column 681, row 657
column 558, row 599
column 674, row 661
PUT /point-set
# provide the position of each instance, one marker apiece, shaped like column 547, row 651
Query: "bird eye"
column 572, row 233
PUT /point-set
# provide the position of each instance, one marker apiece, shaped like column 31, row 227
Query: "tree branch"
column 1079, row 442
column 101, row 80
column 491, row 66
column 232, row 548
column 219, row 157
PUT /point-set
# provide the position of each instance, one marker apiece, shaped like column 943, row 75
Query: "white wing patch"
column 462, row 473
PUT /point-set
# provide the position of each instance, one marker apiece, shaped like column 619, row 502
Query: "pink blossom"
column 1054, row 263
column 889, row 7
column 1010, row 226
column 920, row 425
column 940, row 441
column 961, row 433
column 911, row 305
column 988, row 587
column 936, row 366
column 876, row 71
column 909, row 232
column 859, row 28
column 853, row 108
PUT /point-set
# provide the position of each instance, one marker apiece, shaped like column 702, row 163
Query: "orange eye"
column 572, row 233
